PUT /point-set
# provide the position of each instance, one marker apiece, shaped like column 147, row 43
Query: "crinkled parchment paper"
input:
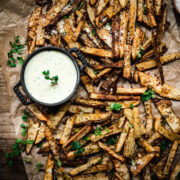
column 13, row 21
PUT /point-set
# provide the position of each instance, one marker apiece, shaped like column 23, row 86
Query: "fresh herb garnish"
column 144, row 10
column 131, row 105
column 93, row 32
column 125, row 130
column 107, row 130
column 53, row 79
column 110, row 23
column 25, row 116
column 111, row 141
column 27, row 160
column 164, row 144
column 98, row 131
column 77, row 130
column 141, row 52
column 133, row 162
column 75, row 9
column 63, row 33
column 147, row 95
column 96, row 72
column 39, row 166
column 86, row 138
column 39, row 144
column 23, row 126
column 77, row 146
column 81, row 5
column 130, row 125
column 116, row 106
column 66, row 17
column 59, row 163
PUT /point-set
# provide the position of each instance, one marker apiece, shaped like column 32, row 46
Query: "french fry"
column 99, row 96
column 78, row 30
column 147, row 173
column 123, row 3
column 40, row 32
column 164, row 106
column 149, row 118
column 86, row 166
column 169, row 135
column 88, row 118
column 129, row 146
column 122, row 170
column 127, row 62
column 115, row 36
column 118, row 64
column 90, row 12
column 136, row 76
column 31, row 134
column 138, row 126
column 98, row 176
column 156, row 136
column 44, row 148
column 150, row 11
column 86, row 40
column 111, row 152
column 92, row 2
column 131, row 91
column 118, row 176
column 77, row 109
column 97, row 52
column 54, row 39
column 101, row 4
column 146, row 21
column 164, row 90
column 140, row 6
column 158, row 4
column 147, row 44
column 140, row 163
column 171, row 157
column 49, row 168
column 129, row 115
column 41, row 134
column 175, row 171
column 62, row 174
column 67, row 129
column 132, row 18
column 31, row 38
column 89, row 102
column 86, row 81
column 123, row 32
column 97, row 168
column 157, row 123
column 122, row 137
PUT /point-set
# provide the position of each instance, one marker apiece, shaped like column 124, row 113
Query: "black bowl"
column 49, row 48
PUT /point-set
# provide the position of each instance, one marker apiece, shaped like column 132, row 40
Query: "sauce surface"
column 59, row 65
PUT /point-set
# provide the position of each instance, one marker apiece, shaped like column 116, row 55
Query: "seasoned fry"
column 130, row 91
column 86, row 166
column 122, row 170
column 67, row 129
column 89, row 102
column 111, row 152
column 129, row 146
column 97, row 52
column 140, row 163
column 140, row 6
column 99, row 176
column 118, row 64
column 138, row 126
column 78, row 30
column 49, row 168
column 112, row 97
column 147, row 174
column 91, row 12
column 122, row 137
column 127, row 62
column 164, row 106
column 31, row 134
column 86, row 40
column 132, row 18
column 62, row 174
column 157, row 123
column 86, row 81
column 150, row 11
column 156, row 136
column 169, row 135
column 97, row 168
column 88, row 118
column 115, row 36
column 123, row 32
column 146, row 21
column 175, row 171
column 138, row 38
column 129, row 115
column 41, row 134
column 149, row 118
column 101, row 4
column 118, row 176
column 147, row 44
column 78, row 108
column 164, row 90
column 54, row 39
column 158, row 7
column 136, row 76
column 92, row 2
column 123, row 3
column 40, row 40
column 171, row 157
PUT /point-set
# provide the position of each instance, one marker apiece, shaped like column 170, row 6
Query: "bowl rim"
column 49, row 48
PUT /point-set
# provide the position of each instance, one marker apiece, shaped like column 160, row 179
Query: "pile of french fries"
column 112, row 36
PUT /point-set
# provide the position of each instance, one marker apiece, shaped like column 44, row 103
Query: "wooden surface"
column 7, row 139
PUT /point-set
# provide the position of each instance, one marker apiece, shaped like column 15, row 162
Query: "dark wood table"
column 8, row 138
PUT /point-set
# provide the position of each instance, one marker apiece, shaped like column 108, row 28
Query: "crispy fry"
column 171, row 157
column 140, row 6
column 130, row 91
column 40, row 135
column 123, row 32
column 78, row 109
column 147, row 44
column 156, row 136
column 78, row 30
column 150, row 11
column 111, row 152
column 67, row 129
column 175, row 171
column 40, row 40
column 86, row 81
column 146, row 21
column 31, row 134
column 92, row 2
column 129, row 115
column 164, row 90
column 158, row 4
column 90, row 12
column 86, row 40
column 147, row 174
column 123, row 3
column 136, row 76
column 97, row 168
column 101, row 4
column 140, row 163
column 118, row 176
column 62, row 174
column 89, row 102
column 127, row 62
column 164, row 106
column 49, row 168
column 99, row 176
column 157, row 123
column 88, row 118
column 118, row 64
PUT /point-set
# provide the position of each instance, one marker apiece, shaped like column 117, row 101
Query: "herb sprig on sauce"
column 53, row 79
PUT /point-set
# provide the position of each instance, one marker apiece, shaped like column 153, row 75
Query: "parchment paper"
column 13, row 21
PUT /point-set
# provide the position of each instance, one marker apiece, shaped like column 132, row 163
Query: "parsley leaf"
column 132, row 105
column 111, row 141
column 86, row 138
column 164, row 144
column 79, row 151
column 96, row 72
column 77, row 130
column 27, row 160
column 148, row 95
column 116, row 106
column 54, row 79
column 39, row 166
column 76, row 145
column 98, row 131
column 59, row 163
column 133, row 162
column 93, row 32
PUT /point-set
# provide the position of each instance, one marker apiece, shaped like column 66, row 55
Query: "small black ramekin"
column 22, row 98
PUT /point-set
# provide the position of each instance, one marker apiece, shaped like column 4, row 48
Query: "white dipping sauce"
column 59, row 65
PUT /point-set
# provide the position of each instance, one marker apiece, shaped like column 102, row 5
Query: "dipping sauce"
column 58, row 64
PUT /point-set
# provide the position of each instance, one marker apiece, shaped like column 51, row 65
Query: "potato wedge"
column 117, row 176
column 140, row 6
column 175, row 171
column 150, row 11
column 123, row 32
column 140, row 163
column 101, row 4
column 62, row 174
column 41, row 133
column 158, row 4
column 122, row 170
column 164, row 106
column 123, row 3
column 111, row 152
column 48, row 175
column 86, row 81
column 99, row 176
column 92, row 103
column 92, row 2
column 86, row 166
column 90, row 12
column 67, row 129
column 171, row 157
column 146, row 21
column 131, row 91
column 147, row 44
column 164, row 90
column 78, row 30
column 31, row 134
column 40, row 32
column 157, row 123
column 156, row 136
column 97, row 168
column 88, row 118
column 136, row 76
column 77, row 109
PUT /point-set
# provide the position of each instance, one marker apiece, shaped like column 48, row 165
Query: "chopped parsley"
column 125, row 130
column 86, row 138
column 116, row 106
column 133, row 162
column 53, row 79
column 39, row 166
column 59, row 163
column 148, row 95
column 111, row 141
column 63, row 33
column 27, row 160
column 80, row 151
column 141, row 52
column 130, row 125
column 77, row 130
column 164, row 144
column 98, row 131
column 131, row 105
column 93, row 32
column 96, row 72
column 24, row 127
column 81, row 5
column 77, row 146
column 107, row 130
column 66, row 17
